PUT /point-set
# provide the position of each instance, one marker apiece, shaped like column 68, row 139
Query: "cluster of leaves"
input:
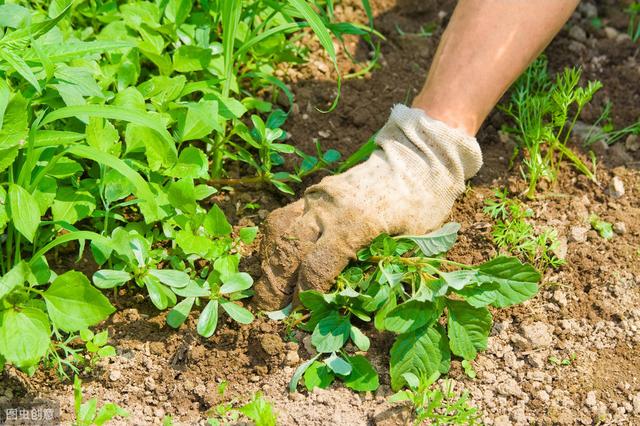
column 513, row 234
column 603, row 129
column 440, row 405
column 88, row 414
column 543, row 113
column 435, row 307
column 116, row 122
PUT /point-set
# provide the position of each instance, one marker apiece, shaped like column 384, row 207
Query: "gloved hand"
column 407, row 187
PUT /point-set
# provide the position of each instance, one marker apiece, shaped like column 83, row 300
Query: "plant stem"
column 416, row 261
column 238, row 181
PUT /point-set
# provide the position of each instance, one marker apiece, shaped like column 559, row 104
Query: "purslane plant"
column 543, row 114
column 437, row 308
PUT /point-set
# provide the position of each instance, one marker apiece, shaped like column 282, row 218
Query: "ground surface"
column 588, row 311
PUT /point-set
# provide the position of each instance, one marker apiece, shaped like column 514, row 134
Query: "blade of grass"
column 231, row 10
column 316, row 24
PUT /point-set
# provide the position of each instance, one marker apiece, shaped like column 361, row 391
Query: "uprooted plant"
column 437, row 308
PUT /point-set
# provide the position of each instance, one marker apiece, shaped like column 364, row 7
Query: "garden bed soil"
column 587, row 312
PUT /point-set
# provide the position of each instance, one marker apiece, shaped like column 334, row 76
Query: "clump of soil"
column 569, row 356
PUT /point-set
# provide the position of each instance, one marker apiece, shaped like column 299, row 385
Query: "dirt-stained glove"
column 407, row 187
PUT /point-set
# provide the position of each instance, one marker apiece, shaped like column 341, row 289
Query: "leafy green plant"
column 115, row 121
column 543, row 114
column 87, row 413
column 435, row 307
column 513, row 234
column 259, row 410
column 435, row 404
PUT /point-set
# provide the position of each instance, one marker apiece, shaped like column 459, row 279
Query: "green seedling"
column 434, row 404
column 513, row 234
column 87, row 413
column 604, row 228
column 607, row 131
column 564, row 361
column 258, row 410
column 406, row 286
column 543, row 114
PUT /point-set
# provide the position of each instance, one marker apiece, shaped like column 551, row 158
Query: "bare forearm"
column 486, row 46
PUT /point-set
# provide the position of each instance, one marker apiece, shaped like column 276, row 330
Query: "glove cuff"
column 429, row 135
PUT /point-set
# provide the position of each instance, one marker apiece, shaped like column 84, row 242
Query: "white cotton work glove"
column 406, row 187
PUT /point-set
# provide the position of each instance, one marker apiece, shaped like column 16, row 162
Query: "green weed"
column 604, row 228
column 513, row 234
column 543, row 114
column 117, row 123
column 435, row 404
column 406, row 286
column 87, row 413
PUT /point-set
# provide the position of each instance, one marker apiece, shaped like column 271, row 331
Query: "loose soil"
column 587, row 312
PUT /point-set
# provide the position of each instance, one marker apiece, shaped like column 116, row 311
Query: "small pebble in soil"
column 115, row 375
column 620, row 228
column 591, row 400
column 611, row 33
column 616, row 187
column 632, row 143
column 538, row 334
column 578, row 234
column 577, row 33
column 292, row 358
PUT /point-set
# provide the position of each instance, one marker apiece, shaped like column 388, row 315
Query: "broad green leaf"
column 192, row 163
column 422, row 352
column 208, row 321
column 248, row 235
column 160, row 152
column 237, row 312
column 227, row 264
column 468, row 328
column 171, row 277
column 318, row 375
column 177, row 11
column 14, row 278
column 24, row 211
column 20, row 66
column 363, row 376
column 412, row 315
column 115, row 186
column 193, row 289
column 216, row 223
column 359, row 338
column 338, row 365
column 161, row 296
column 436, row 242
column 297, row 375
column 102, row 135
column 517, row 282
column 72, row 205
column 198, row 119
column 178, row 315
column 73, row 304
column 182, row 195
column 260, row 411
column 479, row 295
column 457, row 280
column 331, row 333
column 191, row 58
column 194, row 244
column 110, row 278
column 107, row 412
column 236, row 282
column 24, row 336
